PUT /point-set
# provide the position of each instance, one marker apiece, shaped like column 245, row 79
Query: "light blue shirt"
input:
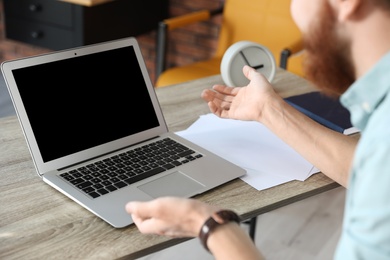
column 366, row 227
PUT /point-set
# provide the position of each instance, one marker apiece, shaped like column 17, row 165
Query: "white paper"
column 250, row 145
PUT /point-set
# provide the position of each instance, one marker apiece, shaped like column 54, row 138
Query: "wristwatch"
column 217, row 219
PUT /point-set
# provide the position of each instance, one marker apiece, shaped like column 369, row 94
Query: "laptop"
column 97, row 134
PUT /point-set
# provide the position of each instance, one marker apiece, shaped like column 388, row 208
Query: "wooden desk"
column 37, row 222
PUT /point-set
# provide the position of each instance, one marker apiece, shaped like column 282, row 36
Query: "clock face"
column 246, row 53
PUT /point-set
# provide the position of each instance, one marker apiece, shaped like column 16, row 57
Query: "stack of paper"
column 250, row 145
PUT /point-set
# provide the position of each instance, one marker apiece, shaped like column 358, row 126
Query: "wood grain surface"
column 38, row 222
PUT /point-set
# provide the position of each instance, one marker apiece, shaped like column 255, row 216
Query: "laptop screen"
column 85, row 101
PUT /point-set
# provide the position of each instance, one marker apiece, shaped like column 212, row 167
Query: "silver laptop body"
column 81, row 106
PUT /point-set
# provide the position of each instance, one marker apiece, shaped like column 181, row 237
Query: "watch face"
column 246, row 53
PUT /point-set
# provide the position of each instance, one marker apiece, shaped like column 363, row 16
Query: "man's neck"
column 370, row 39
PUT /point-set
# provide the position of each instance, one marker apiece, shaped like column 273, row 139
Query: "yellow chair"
column 267, row 22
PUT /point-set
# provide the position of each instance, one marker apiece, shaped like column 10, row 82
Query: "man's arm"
column 329, row 151
column 229, row 241
column 179, row 217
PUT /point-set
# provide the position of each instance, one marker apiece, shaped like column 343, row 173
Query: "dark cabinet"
column 59, row 25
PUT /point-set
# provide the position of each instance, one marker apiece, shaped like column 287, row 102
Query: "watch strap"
column 218, row 218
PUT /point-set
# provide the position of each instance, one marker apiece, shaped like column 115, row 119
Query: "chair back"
column 267, row 22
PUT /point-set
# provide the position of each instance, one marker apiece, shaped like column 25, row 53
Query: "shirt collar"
column 368, row 92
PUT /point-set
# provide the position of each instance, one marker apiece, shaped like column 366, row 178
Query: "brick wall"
column 196, row 41
column 188, row 44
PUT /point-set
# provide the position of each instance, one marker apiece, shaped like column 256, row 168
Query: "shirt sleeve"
column 366, row 227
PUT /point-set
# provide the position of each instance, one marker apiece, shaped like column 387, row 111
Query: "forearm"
column 331, row 152
column 229, row 241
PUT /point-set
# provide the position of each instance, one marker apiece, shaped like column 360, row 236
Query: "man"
column 347, row 44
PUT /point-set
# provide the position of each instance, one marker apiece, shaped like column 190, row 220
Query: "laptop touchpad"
column 174, row 184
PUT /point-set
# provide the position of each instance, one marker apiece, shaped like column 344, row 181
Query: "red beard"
column 327, row 61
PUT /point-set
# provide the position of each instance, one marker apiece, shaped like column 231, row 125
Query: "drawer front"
column 50, row 11
column 40, row 34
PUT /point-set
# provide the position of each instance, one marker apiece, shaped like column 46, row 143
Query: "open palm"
column 243, row 103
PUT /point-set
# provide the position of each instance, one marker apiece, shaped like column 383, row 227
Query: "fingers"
column 133, row 208
column 250, row 73
column 214, row 109
column 170, row 216
column 146, row 215
column 140, row 217
column 222, row 112
column 220, row 89
column 219, row 107
column 225, row 90
column 207, row 95
column 219, row 99
column 154, row 208
column 218, row 92
column 167, row 216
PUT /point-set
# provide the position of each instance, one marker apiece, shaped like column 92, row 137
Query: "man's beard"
column 327, row 62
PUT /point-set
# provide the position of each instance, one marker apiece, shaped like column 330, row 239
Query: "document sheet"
column 268, row 160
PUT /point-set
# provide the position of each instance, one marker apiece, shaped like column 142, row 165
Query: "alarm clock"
column 249, row 53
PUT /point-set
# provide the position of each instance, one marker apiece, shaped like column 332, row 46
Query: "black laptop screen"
column 82, row 102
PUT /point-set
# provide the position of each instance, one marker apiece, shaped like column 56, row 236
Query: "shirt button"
column 366, row 107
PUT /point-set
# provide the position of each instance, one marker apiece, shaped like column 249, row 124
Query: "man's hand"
column 170, row 216
column 243, row 103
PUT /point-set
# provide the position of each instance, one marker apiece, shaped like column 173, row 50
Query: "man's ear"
column 346, row 9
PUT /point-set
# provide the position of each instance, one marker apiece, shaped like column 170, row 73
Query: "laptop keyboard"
column 116, row 172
